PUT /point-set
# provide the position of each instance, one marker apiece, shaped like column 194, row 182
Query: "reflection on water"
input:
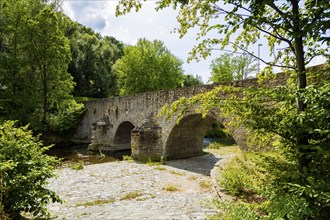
column 80, row 153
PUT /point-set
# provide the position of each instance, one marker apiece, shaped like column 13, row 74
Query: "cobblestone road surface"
column 129, row 190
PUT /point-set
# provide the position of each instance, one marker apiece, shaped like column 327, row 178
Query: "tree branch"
column 262, row 60
column 277, row 36
column 223, row 11
column 281, row 13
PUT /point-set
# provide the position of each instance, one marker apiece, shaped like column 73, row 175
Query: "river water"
column 76, row 153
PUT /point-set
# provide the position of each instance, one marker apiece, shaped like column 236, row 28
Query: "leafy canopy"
column 227, row 68
column 241, row 23
column 33, row 67
column 92, row 61
column 148, row 66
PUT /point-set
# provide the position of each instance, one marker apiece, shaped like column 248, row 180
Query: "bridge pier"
column 146, row 141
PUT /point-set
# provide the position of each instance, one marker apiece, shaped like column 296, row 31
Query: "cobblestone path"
column 180, row 189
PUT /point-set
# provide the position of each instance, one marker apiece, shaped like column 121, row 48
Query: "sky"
column 147, row 23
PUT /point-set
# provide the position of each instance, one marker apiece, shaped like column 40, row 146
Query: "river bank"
column 181, row 189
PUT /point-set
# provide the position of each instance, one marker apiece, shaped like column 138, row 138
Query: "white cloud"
column 147, row 23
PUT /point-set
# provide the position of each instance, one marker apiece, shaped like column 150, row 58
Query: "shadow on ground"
column 201, row 164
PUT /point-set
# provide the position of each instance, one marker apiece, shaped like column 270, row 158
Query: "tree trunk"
column 302, row 139
column 44, row 112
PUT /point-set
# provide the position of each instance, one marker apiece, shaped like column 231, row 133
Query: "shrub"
column 242, row 176
column 24, row 171
column 264, row 184
column 3, row 215
column 235, row 211
column 66, row 117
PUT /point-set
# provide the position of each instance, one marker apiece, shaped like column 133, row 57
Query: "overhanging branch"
column 262, row 60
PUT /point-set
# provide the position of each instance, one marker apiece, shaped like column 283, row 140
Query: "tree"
column 48, row 55
column 33, row 64
column 296, row 27
column 191, row 80
column 92, row 59
column 227, row 68
column 148, row 66
column 24, row 171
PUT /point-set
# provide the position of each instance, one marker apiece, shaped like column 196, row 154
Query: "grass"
column 97, row 202
column 77, row 165
column 217, row 148
column 160, row 168
column 177, row 173
column 205, row 184
column 193, row 178
column 131, row 195
column 151, row 196
column 128, row 158
column 153, row 163
column 171, row 188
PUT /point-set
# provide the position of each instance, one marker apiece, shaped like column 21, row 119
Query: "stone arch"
column 186, row 138
column 122, row 139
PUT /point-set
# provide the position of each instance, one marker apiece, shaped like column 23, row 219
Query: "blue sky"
column 147, row 23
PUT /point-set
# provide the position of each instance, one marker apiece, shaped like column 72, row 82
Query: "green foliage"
column 171, row 188
column 97, row 202
column 67, row 117
column 34, row 60
column 83, row 99
column 92, row 61
column 228, row 68
column 3, row 215
column 128, row 158
column 77, row 165
column 302, row 131
column 241, row 177
column 24, row 171
column 191, row 80
column 217, row 131
column 235, row 211
column 263, row 182
column 148, row 66
column 131, row 195
column 222, row 150
column 287, row 24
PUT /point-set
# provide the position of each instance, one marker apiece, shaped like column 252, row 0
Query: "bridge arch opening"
column 187, row 138
column 122, row 139
column 219, row 134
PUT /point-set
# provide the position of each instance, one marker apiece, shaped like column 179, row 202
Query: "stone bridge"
column 130, row 122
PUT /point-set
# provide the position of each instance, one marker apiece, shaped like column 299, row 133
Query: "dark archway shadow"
column 122, row 139
column 202, row 164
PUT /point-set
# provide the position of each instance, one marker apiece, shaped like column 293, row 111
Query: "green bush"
column 242, row 177
column 67, row 116
column 24, row 170
column 3, row 215
column 235, row 211
column 263, row 182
